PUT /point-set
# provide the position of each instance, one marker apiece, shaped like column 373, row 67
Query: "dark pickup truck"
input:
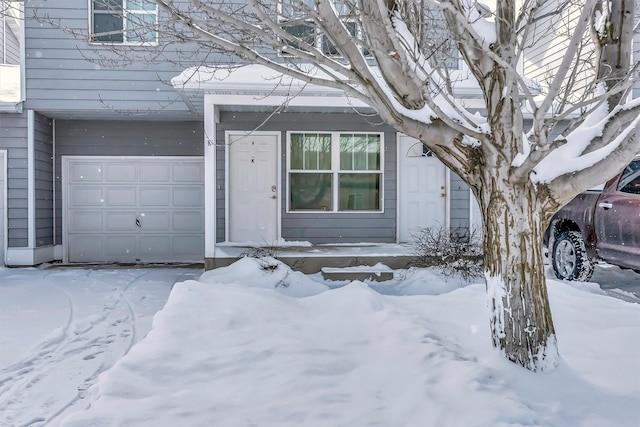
column 598, row 226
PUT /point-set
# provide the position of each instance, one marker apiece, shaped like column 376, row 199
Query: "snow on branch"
column 439, row 100
column 573, row 156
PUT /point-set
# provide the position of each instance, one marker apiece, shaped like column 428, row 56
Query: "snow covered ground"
column 256, row 344
column 61, row 327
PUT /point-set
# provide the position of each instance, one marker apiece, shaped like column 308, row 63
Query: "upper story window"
column 334, row 172
column 294, row 15
column 124, row 21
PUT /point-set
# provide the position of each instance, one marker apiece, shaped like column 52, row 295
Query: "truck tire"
column 569, row 257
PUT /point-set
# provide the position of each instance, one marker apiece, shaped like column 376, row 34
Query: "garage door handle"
column 138, row 222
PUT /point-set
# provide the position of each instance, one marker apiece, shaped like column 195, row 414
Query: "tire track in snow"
column 96, row 343
column 623, row 295
column 13, row 377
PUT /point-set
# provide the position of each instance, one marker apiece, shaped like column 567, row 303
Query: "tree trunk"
column 521, row 323
column 613, row 45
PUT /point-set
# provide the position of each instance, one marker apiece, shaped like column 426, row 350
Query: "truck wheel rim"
column 566, row 258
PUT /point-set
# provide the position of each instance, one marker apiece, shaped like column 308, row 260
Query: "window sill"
column 141, row 44
column 335, row 212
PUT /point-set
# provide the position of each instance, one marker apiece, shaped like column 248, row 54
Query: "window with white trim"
column 124, row 21
column 334, row 172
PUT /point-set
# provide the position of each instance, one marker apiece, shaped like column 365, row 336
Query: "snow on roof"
column 259, row 85
column 247, row 78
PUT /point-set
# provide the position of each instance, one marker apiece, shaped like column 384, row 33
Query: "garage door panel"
column 120, row 248
column 86, row 248
column 155, row 196
column 188, row 196
column 188, row 221
column 83, row 221
column 85, row 172
column 85, row 196
column 187, row 248
column 134, row 210
column 154, row 248
column 155, row 221
column 154, row 172
column 117, row 221
column 120, row 172
column 120, row 196
column 188, row 172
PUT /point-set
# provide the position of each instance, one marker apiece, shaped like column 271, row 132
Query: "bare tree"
column 394, row 55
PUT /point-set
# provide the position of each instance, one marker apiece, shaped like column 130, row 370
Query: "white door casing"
column 253, row 190
column 3, row 205
column 475, row 219
column 422, row 189
column 133, row 209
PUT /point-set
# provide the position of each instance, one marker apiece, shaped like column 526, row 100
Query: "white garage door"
column 3, row 197
column 133, row 209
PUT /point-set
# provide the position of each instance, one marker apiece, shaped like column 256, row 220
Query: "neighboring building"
column 10, row 55
column 545, row 49
column 103, row 159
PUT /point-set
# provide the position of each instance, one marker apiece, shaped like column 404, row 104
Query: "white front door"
column 253, row 188
column 421, row 189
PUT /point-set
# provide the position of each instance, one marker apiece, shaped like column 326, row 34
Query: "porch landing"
column 311, row 259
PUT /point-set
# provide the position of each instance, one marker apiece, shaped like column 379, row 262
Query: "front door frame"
column 400, row 184
column 227, row 163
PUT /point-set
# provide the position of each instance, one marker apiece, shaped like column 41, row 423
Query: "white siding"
column 547, row 44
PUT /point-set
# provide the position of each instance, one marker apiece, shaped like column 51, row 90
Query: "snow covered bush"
column 260, row 252
column 455, row 251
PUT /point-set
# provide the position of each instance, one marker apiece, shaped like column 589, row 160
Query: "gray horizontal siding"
column 3, row 178
column 221, row 182
column 128, row 138
column 459, row 195
column 121, row 138
column 318, row 227
column 65, row 73
column 13, row 138
column 43, row 171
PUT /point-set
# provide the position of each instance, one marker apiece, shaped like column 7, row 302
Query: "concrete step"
column 378, row 273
